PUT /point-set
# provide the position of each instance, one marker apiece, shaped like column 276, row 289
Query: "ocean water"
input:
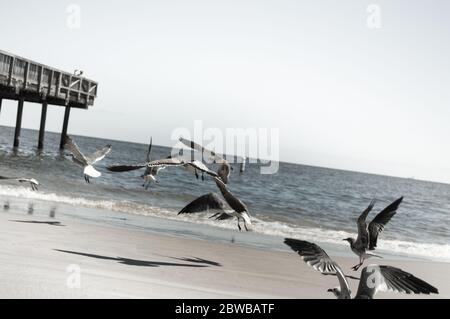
column 311, row 203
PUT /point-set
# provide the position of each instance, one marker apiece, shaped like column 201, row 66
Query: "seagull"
column 163, row 163
column 86, row 162
column 224, row 168
column 213, row 202
column 368, row 234
column 78, row 72
column 33, row 183
column 374, row 278
column 150, row 172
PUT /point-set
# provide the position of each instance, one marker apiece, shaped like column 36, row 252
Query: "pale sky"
column 343, row 95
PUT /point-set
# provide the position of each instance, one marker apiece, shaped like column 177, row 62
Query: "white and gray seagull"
column 212, row 202
column 33, row 183
column 374, row 278
column 150, row 172
column 163, row 163
column 368, row 233
column 224, row 168
column 87, row 161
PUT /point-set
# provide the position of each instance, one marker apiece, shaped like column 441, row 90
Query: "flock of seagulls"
column 228, row 208
column 374, row 278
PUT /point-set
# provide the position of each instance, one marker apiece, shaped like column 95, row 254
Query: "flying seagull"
column 163, row 163
column 224, row 168
column 368, row 234
column 213, row 202
column 374, row 278
column 88, row 161
column 150, row 172
column 33, row 183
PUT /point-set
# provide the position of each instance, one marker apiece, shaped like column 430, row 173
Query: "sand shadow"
column 200, row 261
column 38, row 222
column 132, row 262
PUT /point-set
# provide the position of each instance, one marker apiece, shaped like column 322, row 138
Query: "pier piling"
column 18, row 123
column 42, row 125
column 64, row 129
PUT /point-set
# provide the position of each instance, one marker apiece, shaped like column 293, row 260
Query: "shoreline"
column 118, row 262
column 198, row 227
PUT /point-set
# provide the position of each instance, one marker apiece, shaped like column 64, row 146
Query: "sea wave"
column 438, row 252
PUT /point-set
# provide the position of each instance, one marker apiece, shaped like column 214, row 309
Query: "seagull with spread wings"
column 33, row 183
column 163, row 163
column 150, row 172
column 87, row 161
column 224, row 168
column 368, row 233
column 374, row 278
column 212, row 202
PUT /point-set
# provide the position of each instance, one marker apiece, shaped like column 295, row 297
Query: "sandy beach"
column 41, row 255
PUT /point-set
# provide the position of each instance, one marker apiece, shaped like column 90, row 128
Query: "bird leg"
column 245, row 225
column 356, row 267
column 239, row 226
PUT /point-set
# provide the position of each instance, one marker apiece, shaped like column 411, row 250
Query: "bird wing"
column 173, row 161
column 376, row 278
column 33, row 183
column 235, row 203
column 125, row 167
column 149, row 149
column 362, row 240
column 203, row 203
column 72, row 147
column 221, row 216
column 376, row 226
column 318, row 259
column 98, row 155
column 202, row 167
column 201, row 149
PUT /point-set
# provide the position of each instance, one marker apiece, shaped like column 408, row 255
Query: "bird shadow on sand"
column 38, row 222
column 199, row 260
column 134, row 262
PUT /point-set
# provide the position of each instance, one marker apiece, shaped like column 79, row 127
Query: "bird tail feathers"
column 91, row 171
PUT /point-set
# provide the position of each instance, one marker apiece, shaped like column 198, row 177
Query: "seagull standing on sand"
column 33, row 183
column 213, row 202
column 86, row 162
column 225, row 167
column 374, row 278
column 368, row 234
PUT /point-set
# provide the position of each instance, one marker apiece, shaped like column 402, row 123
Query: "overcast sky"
column 343, row 95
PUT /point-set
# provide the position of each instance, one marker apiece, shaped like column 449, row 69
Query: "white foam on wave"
column 431, row 251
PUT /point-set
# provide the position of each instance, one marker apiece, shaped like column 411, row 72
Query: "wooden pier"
column 26, row 81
